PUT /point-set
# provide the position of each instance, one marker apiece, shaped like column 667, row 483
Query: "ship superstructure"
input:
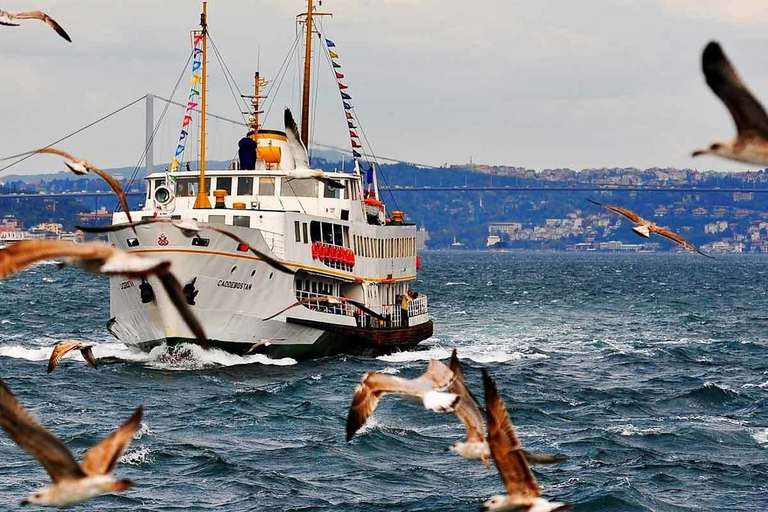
column 351, row 261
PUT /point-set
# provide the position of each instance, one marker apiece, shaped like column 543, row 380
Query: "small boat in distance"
column 335, row 234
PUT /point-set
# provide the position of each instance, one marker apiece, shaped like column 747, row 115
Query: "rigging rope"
column 230, row 80
column 70, row 135
column 283, row 69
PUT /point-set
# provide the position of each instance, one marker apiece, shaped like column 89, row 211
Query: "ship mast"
column 307, row 71
column 202, row 201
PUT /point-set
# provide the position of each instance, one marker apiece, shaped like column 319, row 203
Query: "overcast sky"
column 543, row 84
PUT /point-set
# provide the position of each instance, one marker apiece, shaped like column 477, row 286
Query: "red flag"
column 353, row 134
column 356, row 145
column 186, row 121
column 342, row 86
column 197, row 39
column 339, row 76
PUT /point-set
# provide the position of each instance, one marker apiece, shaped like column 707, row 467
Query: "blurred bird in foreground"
column 11, row 20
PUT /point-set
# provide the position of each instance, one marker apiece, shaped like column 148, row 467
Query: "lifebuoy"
column 315, row 250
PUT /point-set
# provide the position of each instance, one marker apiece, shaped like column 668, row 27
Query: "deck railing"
column 392, row 313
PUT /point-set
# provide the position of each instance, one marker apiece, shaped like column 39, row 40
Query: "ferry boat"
column 350, row 260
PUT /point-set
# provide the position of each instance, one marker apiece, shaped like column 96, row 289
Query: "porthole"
column 253, row 272
column 271, row 274
column 232, row 270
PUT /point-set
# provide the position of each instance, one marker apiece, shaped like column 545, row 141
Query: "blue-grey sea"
column 649, row 370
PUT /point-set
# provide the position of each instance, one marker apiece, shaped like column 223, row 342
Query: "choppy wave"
column 476, row 354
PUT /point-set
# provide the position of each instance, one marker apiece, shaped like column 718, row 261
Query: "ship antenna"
column 202, row 201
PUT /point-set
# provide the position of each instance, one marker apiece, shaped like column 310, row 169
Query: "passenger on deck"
column 247, row 152
column 406, row 300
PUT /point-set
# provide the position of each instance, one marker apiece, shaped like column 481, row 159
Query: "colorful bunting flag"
column 347, row 106
column 356, row 154
column 197, row 63
column 345, row 96
column 349, row 116
column 196, row 40
column 333, row 54
column 339, row 76
column 336, row 65
column 356, row 145
column 342, row 86
column 353, row 134
column 351, row 125
column 330, row 43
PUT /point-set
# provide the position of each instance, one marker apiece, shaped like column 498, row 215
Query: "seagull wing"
column 331, row 183
column 467, row 409
column 20, row 255
column 505, row 446
column 370, row 390
column 621, row 211
column 298, row 303
column 173, row 288
column 269, row 260
column 87, row 353
column 116, row 188
column 438, row 376
column 60, row 350
column 365, row 309
column 671, row 235
column 102, row 458
column 25, row 431
column 38, row 15
column 295, row 144
column 747, row 112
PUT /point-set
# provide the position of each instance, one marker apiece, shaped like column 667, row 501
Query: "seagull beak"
column 25, row 502
column 76, row 168
column 698, row 152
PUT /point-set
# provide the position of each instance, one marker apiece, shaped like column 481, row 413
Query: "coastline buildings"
column 11, row 231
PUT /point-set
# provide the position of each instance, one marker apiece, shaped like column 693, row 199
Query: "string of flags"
column 192, row 100
column 346, row 100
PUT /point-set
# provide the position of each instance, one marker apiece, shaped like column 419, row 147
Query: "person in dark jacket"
column 247, row 152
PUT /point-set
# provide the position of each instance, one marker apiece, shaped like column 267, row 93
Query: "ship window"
column 298, row 188
column 217, row 219
column 266, row 186
column 314, row 231
column 224, row 184
column 297, row 229
column 188, row 187
column 243, row 221
column 338, row 235
column 314, row 287
column 346, row 237
column 354, row 242
column 304, row 229
column 244, row 186
column 327, row 233
column 331, row 193
column 381, row 248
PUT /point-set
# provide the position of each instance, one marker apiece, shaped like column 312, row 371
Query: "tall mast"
column 202, row 201
column 307, row 75
column 307, row 71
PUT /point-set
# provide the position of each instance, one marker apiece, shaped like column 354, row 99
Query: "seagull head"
column 41, row 497
column 78, row 168
column 644, row 231
column 493, row 503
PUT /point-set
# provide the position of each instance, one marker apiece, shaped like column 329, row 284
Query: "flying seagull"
column 63, row 348
column 10, row 20
column 72, row 482
column 644, row 227
column 82, row 167
column 190, row 228
column 330, row 300
column 431, row 388
column 102, row 259
column 476, row 445
column 523, row 493
column 299, row 152
column 751, row 142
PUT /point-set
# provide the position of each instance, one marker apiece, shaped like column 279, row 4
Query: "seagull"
column 431, row 388
column 644, row 228
column 104, row 259
column 331, row 300
column 82, row 167
column 751, row 142
column 190, row 228
column 523, row 493
column 9, row 19
column 300, row 158
column 63, row 348
column 72, row 482
column 476, row 446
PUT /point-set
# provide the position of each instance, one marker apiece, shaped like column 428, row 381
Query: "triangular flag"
column 197, row 51
column 345, row 96
column 196, row 79
column 336, row 65
column 196, row 65
column 194, row 92
column 356, row 145
column 349, row 116
column 353, row 134
column 333, row 54
column 191, row 105
column 356, row 154
column 339, row 76
column 179, row 149
column 351, row 125
column 342, row 86
column 330, row 43
column 186, row 121
column 347, row 106
column 183, row 135
column 197, row 39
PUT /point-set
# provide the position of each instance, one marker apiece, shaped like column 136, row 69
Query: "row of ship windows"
column 384, row 247
column 336, row 234
column 264, row 186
